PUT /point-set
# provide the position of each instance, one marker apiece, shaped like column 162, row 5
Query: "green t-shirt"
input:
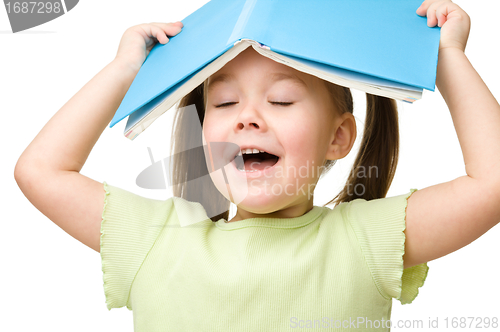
column 330, row 268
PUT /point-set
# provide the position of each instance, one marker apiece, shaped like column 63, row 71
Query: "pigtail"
column 193, row 165
column 377, row 159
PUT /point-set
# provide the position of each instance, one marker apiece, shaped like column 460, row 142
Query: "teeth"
column 250, row 151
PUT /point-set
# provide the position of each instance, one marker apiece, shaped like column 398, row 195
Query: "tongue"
column 258, row 164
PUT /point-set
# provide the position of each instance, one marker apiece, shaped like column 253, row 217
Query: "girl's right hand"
column 137, row 41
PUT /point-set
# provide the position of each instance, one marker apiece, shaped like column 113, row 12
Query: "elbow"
column 18, row 172
column 491, row 193
column 23, row 172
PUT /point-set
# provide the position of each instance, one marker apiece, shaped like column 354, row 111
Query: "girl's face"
column 261, row 104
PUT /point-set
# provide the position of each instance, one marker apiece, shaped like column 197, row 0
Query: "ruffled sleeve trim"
column 379, row 226
column 412, row 278
column 105, row 275
column 130, row 226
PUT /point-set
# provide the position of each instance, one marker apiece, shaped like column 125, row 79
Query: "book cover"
column 378, row 40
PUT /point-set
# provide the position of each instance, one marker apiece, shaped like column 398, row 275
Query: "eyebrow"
column 273, row 77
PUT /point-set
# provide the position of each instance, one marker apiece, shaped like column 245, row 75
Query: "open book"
column 381, row 47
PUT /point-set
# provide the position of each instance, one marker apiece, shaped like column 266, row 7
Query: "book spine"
column 264, row 46
column 242, row 21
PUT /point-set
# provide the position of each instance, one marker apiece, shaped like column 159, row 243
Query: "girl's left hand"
column 453, row 21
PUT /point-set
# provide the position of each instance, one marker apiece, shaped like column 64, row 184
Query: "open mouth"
column 255, row 161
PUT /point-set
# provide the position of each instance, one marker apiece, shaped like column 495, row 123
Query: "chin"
column 260, row 204
column 263, row 212
column 252, row 198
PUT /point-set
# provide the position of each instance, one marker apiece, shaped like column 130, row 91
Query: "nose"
column 250, row 118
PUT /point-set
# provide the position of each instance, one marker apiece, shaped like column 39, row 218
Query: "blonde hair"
column 379, row 148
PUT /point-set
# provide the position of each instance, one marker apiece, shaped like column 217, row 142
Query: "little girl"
column 281, row 262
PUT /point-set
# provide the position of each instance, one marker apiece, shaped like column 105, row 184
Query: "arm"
column 445, row 217
column 47, row 172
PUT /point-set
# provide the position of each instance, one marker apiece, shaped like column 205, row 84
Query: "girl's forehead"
column 250, row 63
column 250, row 60
column 270, row 77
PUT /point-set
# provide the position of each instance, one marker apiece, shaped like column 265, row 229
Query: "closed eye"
column 226, row 104
column 280, row 103
column 272, row 102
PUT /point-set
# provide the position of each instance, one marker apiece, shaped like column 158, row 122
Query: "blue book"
column 381, row 47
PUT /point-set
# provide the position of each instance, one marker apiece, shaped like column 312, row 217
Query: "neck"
column 291, row 211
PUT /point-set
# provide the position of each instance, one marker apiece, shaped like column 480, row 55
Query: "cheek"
column 216, row 121
column 299, row 137
column 210, row 129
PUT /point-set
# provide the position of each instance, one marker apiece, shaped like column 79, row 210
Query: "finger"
column 428, row 8
column 154, row 31
column 442, row 14
column 170, row 29
column 161, row 31
column 422, row 10
column 431, row 14
column 161, row 34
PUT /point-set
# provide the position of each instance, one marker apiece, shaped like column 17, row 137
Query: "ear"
column 343, row 135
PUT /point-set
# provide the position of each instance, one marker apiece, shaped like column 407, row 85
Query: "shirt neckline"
column 294, row 222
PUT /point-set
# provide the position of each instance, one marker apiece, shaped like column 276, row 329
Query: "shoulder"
column 378, row 223
column 361, row 210
column 131, row 225
column 379, row 226
column 132, row 207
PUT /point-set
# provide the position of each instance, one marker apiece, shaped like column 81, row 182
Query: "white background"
column 53, row 282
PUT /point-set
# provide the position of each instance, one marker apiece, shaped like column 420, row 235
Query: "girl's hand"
column 137, row 41
column 453, row 21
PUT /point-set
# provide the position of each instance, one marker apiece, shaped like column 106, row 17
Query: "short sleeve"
column 379, row 226
column 130, row 225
